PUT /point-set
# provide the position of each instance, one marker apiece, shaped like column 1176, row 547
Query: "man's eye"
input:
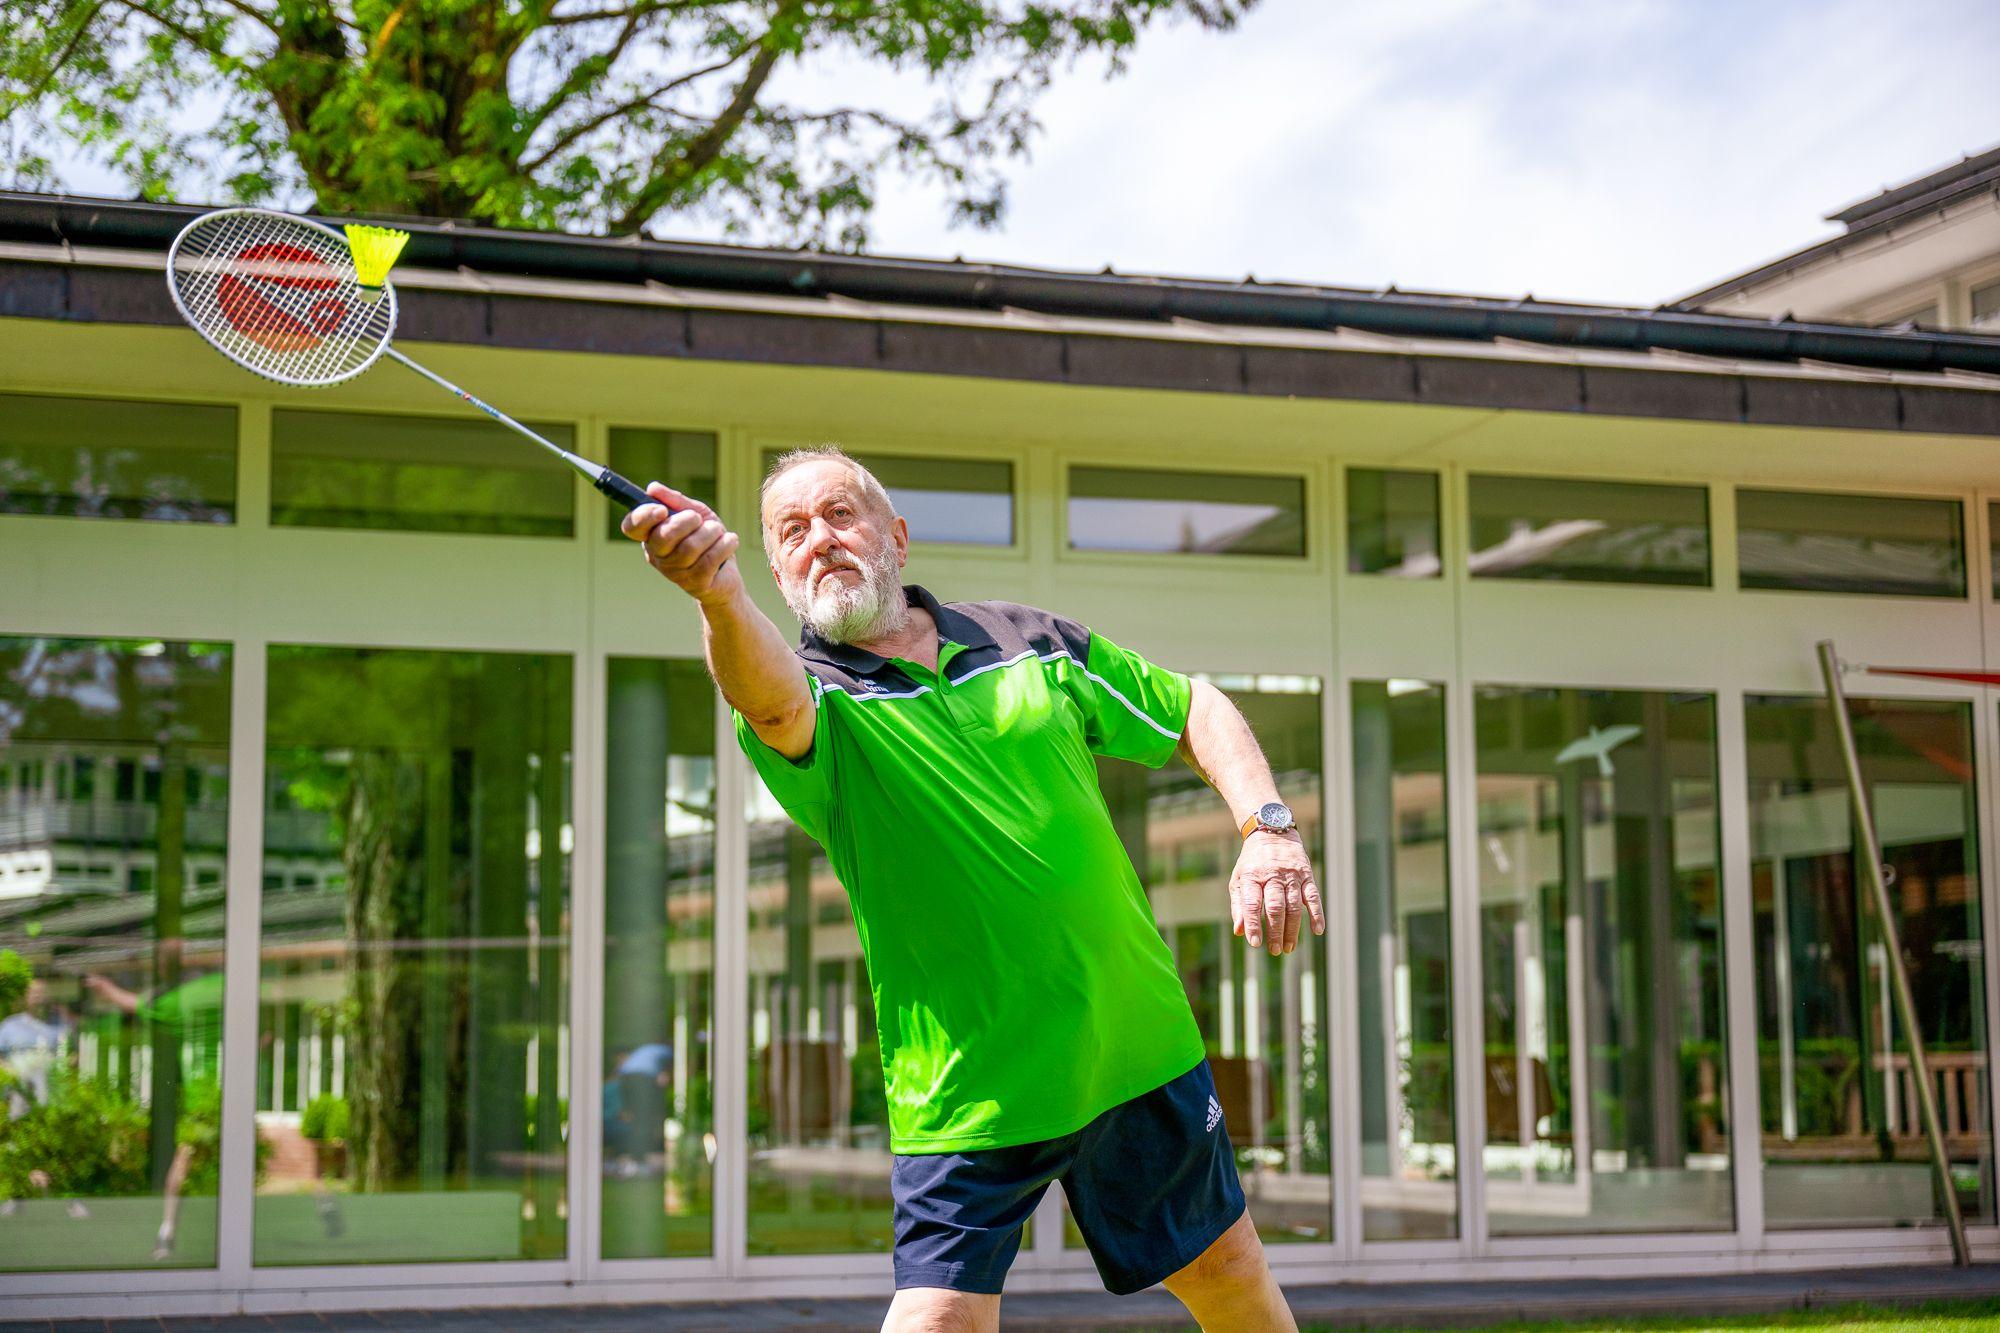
column 842, row 512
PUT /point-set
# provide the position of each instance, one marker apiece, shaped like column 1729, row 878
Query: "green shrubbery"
column 88, row 1137
column 325, row 1119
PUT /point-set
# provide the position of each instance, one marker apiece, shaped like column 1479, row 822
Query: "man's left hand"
column 1272, row 891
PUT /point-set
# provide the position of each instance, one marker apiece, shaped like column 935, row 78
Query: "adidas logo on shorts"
column 1214, row 1113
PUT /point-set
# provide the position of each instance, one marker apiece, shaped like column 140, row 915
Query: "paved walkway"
column 1350, row 1305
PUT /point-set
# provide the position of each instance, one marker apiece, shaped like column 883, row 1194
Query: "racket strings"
column 278, row 295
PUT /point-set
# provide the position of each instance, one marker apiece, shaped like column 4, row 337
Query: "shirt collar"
column 951, row 625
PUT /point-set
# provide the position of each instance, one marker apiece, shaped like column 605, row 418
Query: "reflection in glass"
column 1601, row 958
column 957, row 501
column 412, row 1024
column 683, row 459
column 114, row 788
column 1403, row 962
column 1815, row 541
column 1262, row 1016
column 1843, row 1142
column 1993, row 543
column 818, row 1118
column 1565, row 529
column 659, row 961
column 417, row 474
column 100, row 458
column 1392, row 523
column 1208, row 513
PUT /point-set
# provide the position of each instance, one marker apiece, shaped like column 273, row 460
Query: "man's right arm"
column 753, row 665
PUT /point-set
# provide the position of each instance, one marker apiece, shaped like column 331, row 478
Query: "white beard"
column 851, row 611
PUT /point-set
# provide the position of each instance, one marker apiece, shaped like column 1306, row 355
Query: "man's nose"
column 822, row 537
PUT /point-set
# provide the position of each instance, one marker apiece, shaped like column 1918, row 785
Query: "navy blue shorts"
column 1151, row 1182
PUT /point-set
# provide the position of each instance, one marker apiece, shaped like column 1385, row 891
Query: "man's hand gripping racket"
column 299, row 303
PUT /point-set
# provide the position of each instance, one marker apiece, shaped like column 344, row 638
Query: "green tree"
column 600, row 114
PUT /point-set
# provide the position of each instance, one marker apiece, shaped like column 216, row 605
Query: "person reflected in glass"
column 1033, row 1025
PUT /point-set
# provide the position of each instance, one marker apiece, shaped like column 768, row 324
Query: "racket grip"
column 623, row 491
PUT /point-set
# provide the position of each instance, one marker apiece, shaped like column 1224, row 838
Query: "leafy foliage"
column 592, row 113
column 16, row 973
column 88, row 1137
column 325, row 1119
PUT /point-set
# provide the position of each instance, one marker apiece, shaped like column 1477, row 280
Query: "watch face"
column 1275, row 816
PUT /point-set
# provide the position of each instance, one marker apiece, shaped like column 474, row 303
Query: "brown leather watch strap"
column 1250, row 824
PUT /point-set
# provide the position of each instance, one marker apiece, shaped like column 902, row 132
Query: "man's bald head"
column 871, row 491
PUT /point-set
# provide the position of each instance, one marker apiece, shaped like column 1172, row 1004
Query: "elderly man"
column 1033, row 1026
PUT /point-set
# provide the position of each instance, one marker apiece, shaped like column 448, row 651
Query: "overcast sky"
column 1608, row 150
column 1611, row 150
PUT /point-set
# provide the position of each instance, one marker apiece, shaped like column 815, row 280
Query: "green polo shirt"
column 1020, row 985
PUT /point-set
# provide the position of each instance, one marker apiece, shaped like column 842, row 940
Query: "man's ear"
column 902, row 534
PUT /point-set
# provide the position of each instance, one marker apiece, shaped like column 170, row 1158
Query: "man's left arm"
column 1272, row 890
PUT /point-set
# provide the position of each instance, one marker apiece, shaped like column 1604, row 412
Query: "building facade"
column 1925, row 253
column 398, row 922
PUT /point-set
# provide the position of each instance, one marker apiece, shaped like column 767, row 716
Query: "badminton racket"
column 305, row 305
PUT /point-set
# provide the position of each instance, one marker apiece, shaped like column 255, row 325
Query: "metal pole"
column 1906, row 1003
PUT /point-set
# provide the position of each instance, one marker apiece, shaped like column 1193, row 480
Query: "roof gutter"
column 449, row 245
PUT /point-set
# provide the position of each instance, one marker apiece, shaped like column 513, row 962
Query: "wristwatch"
column 1275, row 817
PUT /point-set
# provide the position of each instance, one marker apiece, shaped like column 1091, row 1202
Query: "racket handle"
column 623, row 491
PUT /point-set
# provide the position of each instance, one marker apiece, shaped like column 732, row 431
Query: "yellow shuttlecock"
column 374, row 250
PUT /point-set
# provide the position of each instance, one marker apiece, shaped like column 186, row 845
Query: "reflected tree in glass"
column 114, row 785
column 412, row 1016
column 659, row 963
column 1403, row 962
column 1262, row 1017
column 1843, row 1142
column 818, row 1115
column 1601, row 960
column 105, row 458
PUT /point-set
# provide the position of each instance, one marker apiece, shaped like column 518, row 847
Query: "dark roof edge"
column 1873, row 223
column 451, row 245
column 1958, row 174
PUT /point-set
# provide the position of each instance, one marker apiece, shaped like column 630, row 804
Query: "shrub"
column 88, row 1136
column 325, row 1119
column 15, row 974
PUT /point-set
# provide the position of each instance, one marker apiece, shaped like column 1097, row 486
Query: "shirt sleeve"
column 1131, row 708
column 804, row 787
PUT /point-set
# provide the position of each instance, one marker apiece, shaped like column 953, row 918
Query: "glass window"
column 1561, row 528
column 1403, row 963
column 99, row 458
column 417, row 474
column 111, row 924
column 413, row 1025
column 659, row 965
column 818, row 1114
column 1392, row 523
column 1986, row 306
column 1263, row 1017
column 1206, row 513
column 682, row 459
column 1601, row 957
column 1843, row 1141
column 1817, row 541
column 960, row 501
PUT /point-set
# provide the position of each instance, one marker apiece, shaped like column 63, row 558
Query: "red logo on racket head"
column 279, row 275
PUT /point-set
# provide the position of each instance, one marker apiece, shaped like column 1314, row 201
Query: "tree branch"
column 641, row 10
column 583, row 128
column 61, row 59
column 672, row 170
column 179, row 30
